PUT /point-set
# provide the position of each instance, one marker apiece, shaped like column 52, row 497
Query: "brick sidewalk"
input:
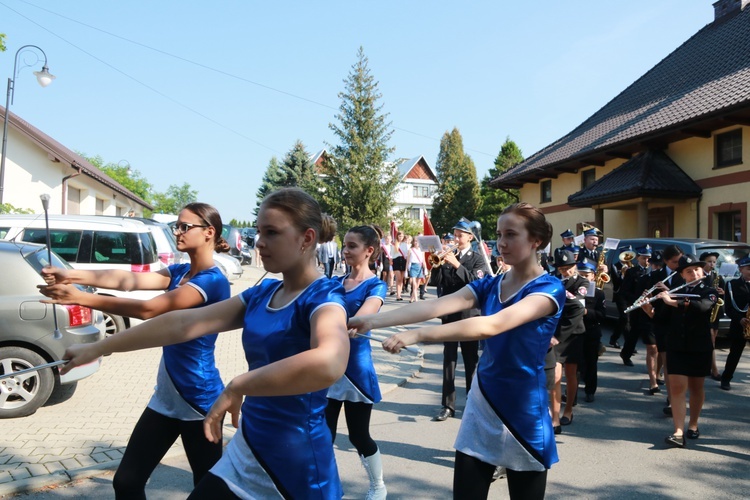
column 85, row 432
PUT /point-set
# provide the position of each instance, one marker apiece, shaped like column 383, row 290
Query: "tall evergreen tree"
column 359, row 183
column 495, row 200
column 273, row 179
column 458, row 189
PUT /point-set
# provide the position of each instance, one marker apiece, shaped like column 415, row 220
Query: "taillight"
column 167, row 258
column 79, row 315
column 140, row 268
column 238, row 243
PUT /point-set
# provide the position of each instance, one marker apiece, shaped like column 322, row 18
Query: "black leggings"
column 152, row 437
column 212, row 488
column 357, row 421
column 472, row 479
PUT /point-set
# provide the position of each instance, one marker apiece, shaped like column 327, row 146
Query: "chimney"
column 726, row 9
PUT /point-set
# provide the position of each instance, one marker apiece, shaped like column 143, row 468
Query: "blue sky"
column 531, row 71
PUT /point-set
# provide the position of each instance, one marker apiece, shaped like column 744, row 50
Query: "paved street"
column 613, row 449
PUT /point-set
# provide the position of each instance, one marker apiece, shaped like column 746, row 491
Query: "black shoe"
column 421, row 297
column 634, row 352
column 693, row 434
column 626, row 360
column 659, row 381
column 716, row 377
column 676, row 441
column 566, row 420
column 725, row 385
column 444, row 414
column 590, row 398
column 614, row 344
column 654, row 390
column 667, row 410
column 499, row 473
column 558, row 429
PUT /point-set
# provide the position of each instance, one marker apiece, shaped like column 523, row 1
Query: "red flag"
column 394, row 232
column 427, row 230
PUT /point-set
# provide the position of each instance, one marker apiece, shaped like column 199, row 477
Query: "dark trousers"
column 151, row 439
column 470, row 355
column 735, row 352
column 357, row 422
column 621, row 325
column 212, row 488
column 640, row 327
column 590, row 361
column 472, row 479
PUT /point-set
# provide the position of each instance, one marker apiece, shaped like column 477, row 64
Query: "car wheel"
column 113, row 324
column 23, row 395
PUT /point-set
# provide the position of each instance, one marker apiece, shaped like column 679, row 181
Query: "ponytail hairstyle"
column 534, row 221
column 210, row 217
column 370, row 238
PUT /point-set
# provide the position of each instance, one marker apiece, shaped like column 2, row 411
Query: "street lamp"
column 44, row 78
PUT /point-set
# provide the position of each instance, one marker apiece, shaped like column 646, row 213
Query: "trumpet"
column 438, row 258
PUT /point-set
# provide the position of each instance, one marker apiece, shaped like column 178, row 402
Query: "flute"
column 638, row 303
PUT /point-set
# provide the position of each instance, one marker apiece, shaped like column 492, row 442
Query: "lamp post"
column 44, row 78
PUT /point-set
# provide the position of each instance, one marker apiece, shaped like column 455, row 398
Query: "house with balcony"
column 37, row 164
column 668, row 156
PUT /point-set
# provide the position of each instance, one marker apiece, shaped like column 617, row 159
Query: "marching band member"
column 738, row 298
column 617, row 273
column 688, row 347
column 715, row 281
column 590, row 244
column 459, row 269
column 593, row 316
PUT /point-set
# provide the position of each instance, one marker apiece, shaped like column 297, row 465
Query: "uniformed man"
column 592, row 319
column 590, row 245
column 736, row 304
column 459, row 269
column 617, row 274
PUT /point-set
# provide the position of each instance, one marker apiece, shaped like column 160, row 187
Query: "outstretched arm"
column 415, row 313
column 170, row 328
column 528, row 309
column 114, row 279
column 307, row 371
column 183, row 297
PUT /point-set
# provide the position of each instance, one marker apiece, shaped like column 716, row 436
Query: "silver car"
column 27, row 330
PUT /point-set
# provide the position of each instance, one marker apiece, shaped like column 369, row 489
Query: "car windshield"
column 728, row 255
column 39, row 258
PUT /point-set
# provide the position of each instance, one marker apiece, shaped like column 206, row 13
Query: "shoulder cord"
column 734, row 304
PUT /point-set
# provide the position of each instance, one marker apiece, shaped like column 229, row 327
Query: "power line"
column 219, row 71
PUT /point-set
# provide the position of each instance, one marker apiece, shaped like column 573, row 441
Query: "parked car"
column 233, row 235
column 729, row 251
column 166, row 245
column 93, row 242
column 229, row 266
column 27, row 327
column 248, row 234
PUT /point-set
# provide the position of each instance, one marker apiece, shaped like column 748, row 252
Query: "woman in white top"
column 417, row 267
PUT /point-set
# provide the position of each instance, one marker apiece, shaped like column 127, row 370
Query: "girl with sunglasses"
column 188, row 381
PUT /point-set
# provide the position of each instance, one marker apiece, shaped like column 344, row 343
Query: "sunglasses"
column 184, row 227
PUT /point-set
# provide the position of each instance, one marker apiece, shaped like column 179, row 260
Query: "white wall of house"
column 407, row 198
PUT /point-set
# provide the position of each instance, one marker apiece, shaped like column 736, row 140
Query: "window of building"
column 99, row 206
column 74, row 201
column 413, row 213
column 728, row 148
column 546, row 191
column 730, row 226
column 422, row 191
column 588, row 177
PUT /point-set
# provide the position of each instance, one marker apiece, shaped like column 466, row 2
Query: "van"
column 729, row 251
column 93, row 242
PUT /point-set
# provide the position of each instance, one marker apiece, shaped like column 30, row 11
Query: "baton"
column 57, row 334
column 34, row 369
column 418, row 352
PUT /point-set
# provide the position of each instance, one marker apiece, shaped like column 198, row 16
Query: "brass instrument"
column 627, row 258
column 476, row 229
column 601, row 276
column 437, row 259
column 719, row 302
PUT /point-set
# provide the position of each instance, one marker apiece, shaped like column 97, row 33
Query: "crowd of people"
column 307, row 343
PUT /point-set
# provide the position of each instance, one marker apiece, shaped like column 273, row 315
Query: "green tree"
column 495, row 200
column 272, row 180
column 176, row 197
column 2, row 42
column 131, row 179
column 458, row 190
column 358, row 184
column 7, row 208
column 298, row 169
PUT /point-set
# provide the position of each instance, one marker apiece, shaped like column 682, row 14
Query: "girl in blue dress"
column 506, row 422
column 296, row 345
column 358, row 389
column 188, row 382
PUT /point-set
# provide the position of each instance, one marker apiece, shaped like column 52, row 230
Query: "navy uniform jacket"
column 690, row 330
column 595, row 313
column 661, row 310
column 736, row 300
column 449, row 280
column 589, row 254
column 571, row 320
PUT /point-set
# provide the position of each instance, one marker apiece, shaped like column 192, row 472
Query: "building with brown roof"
column 37, row 164
column 665, row 157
